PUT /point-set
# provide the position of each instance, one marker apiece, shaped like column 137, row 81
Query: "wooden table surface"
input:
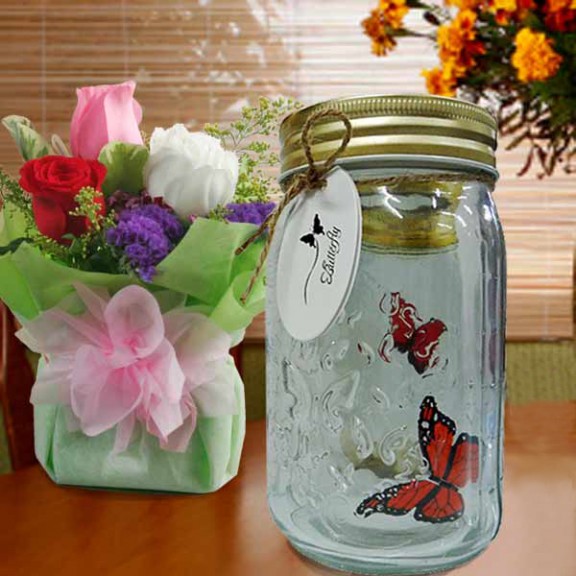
column 49, row 530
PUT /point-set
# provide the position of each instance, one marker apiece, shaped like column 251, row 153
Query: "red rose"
column 54, row 182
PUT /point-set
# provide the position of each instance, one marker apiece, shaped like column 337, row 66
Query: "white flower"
column 190, row 171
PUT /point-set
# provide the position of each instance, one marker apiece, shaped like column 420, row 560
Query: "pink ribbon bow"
column 122, row 361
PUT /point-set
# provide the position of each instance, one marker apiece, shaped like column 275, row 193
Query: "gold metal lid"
column 408, row 125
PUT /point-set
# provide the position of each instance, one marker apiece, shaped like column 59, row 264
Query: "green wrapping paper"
column 210, row 461
column 203, row 267
column 204, row 274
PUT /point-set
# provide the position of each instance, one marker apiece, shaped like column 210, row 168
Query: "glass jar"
column 385, row 433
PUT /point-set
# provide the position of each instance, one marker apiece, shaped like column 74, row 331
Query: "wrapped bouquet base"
column 210, row 460
column 136, row 389
column 125, row 263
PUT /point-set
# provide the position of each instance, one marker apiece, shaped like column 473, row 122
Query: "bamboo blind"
column 199, row 61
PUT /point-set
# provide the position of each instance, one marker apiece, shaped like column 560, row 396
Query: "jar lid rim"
column 413, row 162
column 395, row 124
column 365, row 106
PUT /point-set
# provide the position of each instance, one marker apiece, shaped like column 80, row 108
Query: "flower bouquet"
column 118, row 258
column 517, row 55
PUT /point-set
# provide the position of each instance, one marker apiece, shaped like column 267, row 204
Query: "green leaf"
column 30, row 144
column 125, row 164
column 13, row 223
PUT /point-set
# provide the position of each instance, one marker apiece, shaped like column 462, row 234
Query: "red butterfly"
column 409, row 333
column 452, row 465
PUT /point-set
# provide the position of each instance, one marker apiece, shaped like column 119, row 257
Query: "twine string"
column 431, row 177
column 313, row 179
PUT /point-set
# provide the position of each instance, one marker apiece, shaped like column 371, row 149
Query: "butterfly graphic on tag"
column 312, row 241
column 317, row 230
column 451, row 464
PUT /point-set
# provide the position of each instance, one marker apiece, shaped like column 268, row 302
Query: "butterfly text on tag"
column 329, row 263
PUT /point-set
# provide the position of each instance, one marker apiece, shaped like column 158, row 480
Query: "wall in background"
column 199, row 61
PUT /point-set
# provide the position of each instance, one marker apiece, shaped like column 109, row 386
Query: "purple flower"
column 146, row 235
column 251, row 213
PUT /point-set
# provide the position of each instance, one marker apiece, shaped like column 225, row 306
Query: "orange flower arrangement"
column 520, row 54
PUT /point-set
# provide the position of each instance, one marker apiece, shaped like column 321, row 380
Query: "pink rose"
column 107, row 113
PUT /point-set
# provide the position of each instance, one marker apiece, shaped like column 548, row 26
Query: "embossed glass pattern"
column 385, row 433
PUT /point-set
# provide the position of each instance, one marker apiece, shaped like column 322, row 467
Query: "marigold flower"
column 534, row 57
column 440, row 81
column 380, row 28
column 560, row 15
column 505, row 5
column 453, row 37
column 507, row 10
column 465, row 21
column 465, row 4
column 457, row 43
column 394, row 12
column 558, row 5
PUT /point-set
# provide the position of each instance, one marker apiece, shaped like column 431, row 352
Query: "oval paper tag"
column 319, row 256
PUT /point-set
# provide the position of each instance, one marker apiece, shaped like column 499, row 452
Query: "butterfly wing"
column 308, row 239
column 318, row 228
column 436, row 433
column 443, row 505
column 452, row 465
column 403, row 321
column 397, row 500
column 464, row 463
column 422, row 348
